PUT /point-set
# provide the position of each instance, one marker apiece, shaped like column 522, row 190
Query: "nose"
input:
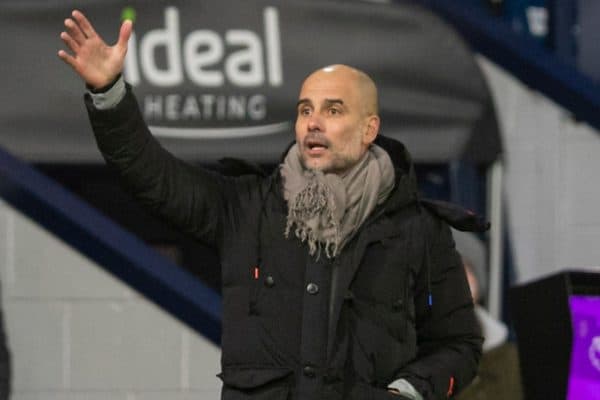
column 314, row 123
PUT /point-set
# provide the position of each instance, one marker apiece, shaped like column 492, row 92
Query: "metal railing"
column 114, row 249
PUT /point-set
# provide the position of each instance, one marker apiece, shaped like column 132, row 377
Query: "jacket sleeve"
column 448, row 334
column 192, row 199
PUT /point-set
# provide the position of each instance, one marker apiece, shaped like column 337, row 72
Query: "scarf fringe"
column 308, row 205
column 326, row 210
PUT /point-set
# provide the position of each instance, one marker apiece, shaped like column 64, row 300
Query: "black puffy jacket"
column 394, row 304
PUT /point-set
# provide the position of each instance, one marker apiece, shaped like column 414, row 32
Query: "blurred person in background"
column 498, row 376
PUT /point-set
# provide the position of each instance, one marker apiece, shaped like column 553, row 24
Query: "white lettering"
column 272, row 37
column 237, row 107
column 190, row 108
column 169, row 38
column 172, row 106
column 208, row 101
column 153, row 107
column 195, row 62
column 205, row 107
column 205, row 57
column 257, row 107
column 221, row 107
column 245, row 67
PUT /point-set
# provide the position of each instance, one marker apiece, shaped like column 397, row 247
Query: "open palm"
column 97, row 63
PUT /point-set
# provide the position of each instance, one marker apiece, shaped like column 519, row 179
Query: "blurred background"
column 497, row 100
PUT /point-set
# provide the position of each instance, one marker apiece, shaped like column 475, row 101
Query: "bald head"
column 337, row 118
column 361, row 83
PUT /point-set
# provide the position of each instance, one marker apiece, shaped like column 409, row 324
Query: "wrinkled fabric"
column 394, row 304
column 326, row 209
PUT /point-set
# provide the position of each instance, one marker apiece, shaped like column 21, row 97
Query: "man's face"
column 333, row 129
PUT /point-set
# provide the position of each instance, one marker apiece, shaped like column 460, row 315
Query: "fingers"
column 74, row 31
column 125, row 33
column 70, row 42
column 67, row 58
column 84, row 24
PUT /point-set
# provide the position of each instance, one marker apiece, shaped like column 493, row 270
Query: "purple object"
column 584, row 375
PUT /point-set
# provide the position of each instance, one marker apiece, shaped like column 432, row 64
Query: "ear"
column 372, row 129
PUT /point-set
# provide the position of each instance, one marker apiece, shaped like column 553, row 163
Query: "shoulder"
column 455, row 215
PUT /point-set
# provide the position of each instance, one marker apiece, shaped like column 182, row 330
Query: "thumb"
column 125, row 33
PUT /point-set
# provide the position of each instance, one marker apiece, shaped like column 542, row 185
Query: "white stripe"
column 67, row 343
column 184, row 381
column 271, row 18
column 219, row 133
column 11, row 246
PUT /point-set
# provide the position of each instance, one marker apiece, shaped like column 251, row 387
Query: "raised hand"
column 97, row 63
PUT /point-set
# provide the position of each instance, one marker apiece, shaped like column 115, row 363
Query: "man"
column 337, row 282
column 498, row 377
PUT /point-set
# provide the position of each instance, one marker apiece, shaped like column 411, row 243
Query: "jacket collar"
column 405, row 191
column 406, row 183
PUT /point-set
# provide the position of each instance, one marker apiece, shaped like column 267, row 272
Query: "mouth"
column 315, row 146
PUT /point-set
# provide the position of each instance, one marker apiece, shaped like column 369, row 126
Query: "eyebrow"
column 303, row 101
column 327, row 101
column 334, row 101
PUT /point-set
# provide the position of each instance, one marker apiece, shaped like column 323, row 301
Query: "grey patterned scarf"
column 326, row 210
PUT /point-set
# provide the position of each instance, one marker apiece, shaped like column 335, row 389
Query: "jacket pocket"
column 255, row 383
column 392, row 318
column 376, row 353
